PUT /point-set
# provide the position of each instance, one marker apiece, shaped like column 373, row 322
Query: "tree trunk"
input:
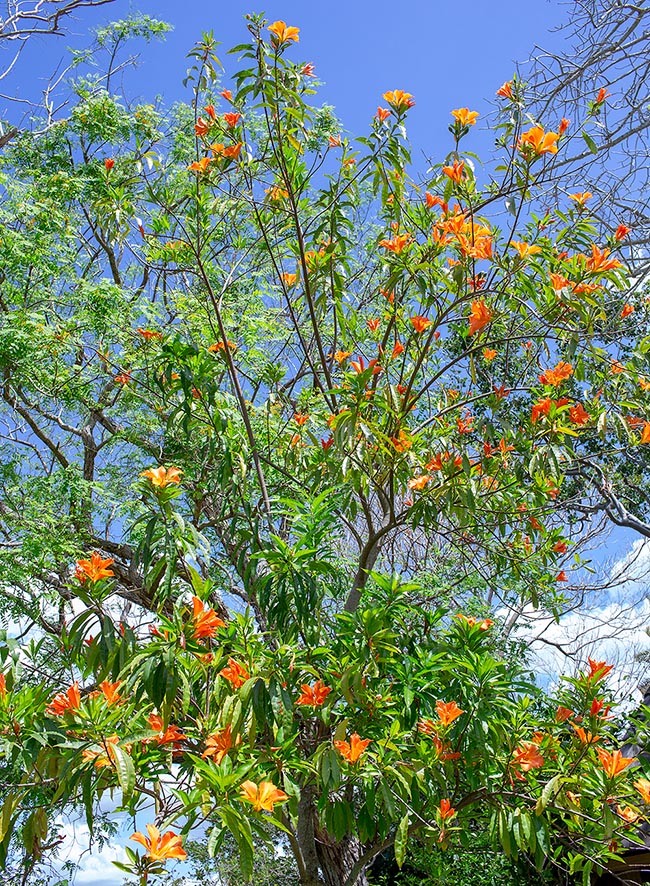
column 336, row 859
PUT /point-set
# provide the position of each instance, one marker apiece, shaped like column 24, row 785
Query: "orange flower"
column 232, row 119
column 276, row 193
column 524, row 249
column 464, row 116
column 227, row 94
column 420, row 323
column 581, row 198
column 281, row 33
column 563, row 714
column 403, row 442
column 598, row 670
column 479, row 316
column 205, row 621
column 104, row 757
column 218, row 744
column 313, row 696
column 627, row 310
column 579, row 415
column 340, row 356
column 123, row 378
column 505, row 91
column 538, row 142
column 643, row 787
column 289, row 280
column 397, row 350
column 352, row 750
column 455, row 172
column 446, row 810
column 585, row 737
column 420, row 482
column 555, row 377
column 373, row 325
column 602, row 95
column 621, row 232
column 308, row 70
column 65, row 701
column 399, row 100
column 202, row 127
column 558, row 282
column 564, row 125
column 627, row 814
column 161, row 477
column 109, row 163
column 171, row 735
column 3, row 686
column 448, row 712
column 645, row 433
column 527, row 756
column 110, row 691
column 235, row 673
column 262, row 796
column 560, row 547
column 160, row 848
column 200, row 166
column 382, row 114
column 613, row 762
column 94, row 569
column 561, row 576
column 489, row 354
column 210, row 111
column 599, row 261
column 397, row 243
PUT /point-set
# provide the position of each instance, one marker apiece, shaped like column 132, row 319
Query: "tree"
column 305, row 418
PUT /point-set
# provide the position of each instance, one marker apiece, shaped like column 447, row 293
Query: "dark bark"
column 337, row 858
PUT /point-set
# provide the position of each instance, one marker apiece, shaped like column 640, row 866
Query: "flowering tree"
column 305, row 419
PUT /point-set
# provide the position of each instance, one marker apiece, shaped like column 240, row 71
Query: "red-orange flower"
column 161, row 477
column 160, row 848
column 564, row 125
column 581, row 198
column 420, row 323
column 579, row 415
column 382, row 114
column 645, row 433
column 600, row 261
column 555, row 377
column 70, row 700
column 109, row 163
column 218, row 744
column 464, row 116
column 643, row 787
column 479, row 316
column 398, row 99
column 563, row 714
column 205, row 621
column 455, row 172
column 627, row 310
column 536, row 141
column 313, row 696
column 505, row 91
column 525, row 249
column 419, row 483
column 94, row 569
column 235, row 673
column 621, row 232
column 281, row 33
column 171, row 735
column 598, row 670
column 396, row 244
column 231, row 119
column 446, row 810
column 110, row 691
column 527, row 756
column 262, row 796
column 448, row 712
column 352, row 750
column 602, row 95
column 613, row 762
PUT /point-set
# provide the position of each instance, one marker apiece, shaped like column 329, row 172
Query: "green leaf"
column 125, row 771
column 401, row 840
column 591, row 144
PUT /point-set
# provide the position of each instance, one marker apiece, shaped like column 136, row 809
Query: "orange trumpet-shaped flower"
column 602, row 95
column 160, row 848
column 104, row 757
column 563, row 714
column 564, row 125
column 288, row 279
column 536, row 141
column 235, row 673
column 171, row 735
column 645, row 433
column 281, row 33
column 397, row 350
column 200, row 166
column 218, row 744
column 527, row 756
column 455, row 172
column 110, row 691
column 643, row 787
column 627, row 814
column 231, row 119
column 205, row 621
column 505, row 91
column 352, row 750
column 446, row 810
column 149, row 334
column 584, row 736
column 464, row 116
column 313, row 696
column 448, row 712
column 558, row 282
column 70, row 700
column 109, row 163
column 524, row 249
column 3, row 686
column 579, row 415
column 420, row 483
column 382, row 114
column 581, row 198
column 621, row 232
column 600, row 262
column 479, row 316
column 613, row 762
column 301, row 418
column 420, row 323
column 627, row 310
column 598, row 670
column 489, row 354
column 201, row 127
column 263, row 796
column 94, row 569
column 162, row 477
column 396, row 244
column 555, row 377
column 398, row 99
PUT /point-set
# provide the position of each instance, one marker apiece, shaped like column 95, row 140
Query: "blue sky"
column 448, row 56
